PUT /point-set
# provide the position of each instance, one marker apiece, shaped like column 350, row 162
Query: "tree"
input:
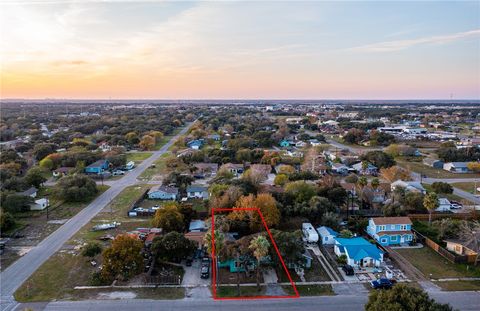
column 35, row 177
column 15, row 203
column 132, row 138
column 331, row 220
column 352, row 178
column 375, row 183
column 430, row 202
column 147, row 142
column 169, row 218
column 268, row 207
column 123, row 258
column 300, row 191
column 91, row 249
column 395, row 173
column 40, row 151
column 412, row 201
column 76, row 188
column 289, row 245
column 346, row 233
column 173, row 246
column 474, row 166
column 403, row 298
column 442, row 187
column 470, row 233
column 6, row 221
column 46, row 163
column 260, row 247
column 219, row 238
column 379, row 158
column 280, row 180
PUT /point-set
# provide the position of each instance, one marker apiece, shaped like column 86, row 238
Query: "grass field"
column 432, row 265
column 159, row 168
column 310, row 290
column 431, row 172
column 459, row 285
column 245, row 291
column 449, row 196
column 466, row 186
column 138, row 157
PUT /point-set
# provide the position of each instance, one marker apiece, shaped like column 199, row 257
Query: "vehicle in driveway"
column 118, row 173
column 348, row 270
column 382, row 284
column 205, row 272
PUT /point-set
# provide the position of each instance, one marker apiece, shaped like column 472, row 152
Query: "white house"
column 327, row 235
column 413, row 186
column 456, row 167
column 39, row 205
column 309, row 233
column 163, row 193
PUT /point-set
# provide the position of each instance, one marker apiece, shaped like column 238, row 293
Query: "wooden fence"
column 453, row 258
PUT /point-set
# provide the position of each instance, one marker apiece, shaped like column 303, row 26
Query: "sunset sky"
column 203, row 50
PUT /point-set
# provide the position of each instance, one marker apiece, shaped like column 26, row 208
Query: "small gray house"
column 163, row 193
column 197, row 192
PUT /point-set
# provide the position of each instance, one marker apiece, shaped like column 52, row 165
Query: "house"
column 339, row 168
column 195, row 144
column 327, row 235
column 185, row 152
column 390, row 230
column 456, row 167
column 322, row 169
column 30, row 192
column 358, row 251
column 314, row 142
column 39, row 204
column 433, row 163
column 98, row 167
column 464, row 247
column 285, row 143
column 413, row 186
column 62, row 171
column 243, row 263
column 104, row 146
column 206, row 169
column 197, row 192
column 215, row 137
column 444, row 205
column 197, row 237
column 163, row 193
column 235, row 169
column 197, row 226
column 370, row 169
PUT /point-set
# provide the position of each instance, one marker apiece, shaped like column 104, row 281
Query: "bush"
column 342, row 259
column 6, row 221
column 91, row 249
column 442, row 187
column 97, row 279
column 77, row 188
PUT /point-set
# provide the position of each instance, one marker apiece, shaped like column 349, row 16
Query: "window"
column 382, row 228
column 393, row 238
column 392, row 227
column 383, row 240
column 403, row 227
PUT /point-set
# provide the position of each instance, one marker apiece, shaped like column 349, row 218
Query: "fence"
column 453, row 258
column 435, row 216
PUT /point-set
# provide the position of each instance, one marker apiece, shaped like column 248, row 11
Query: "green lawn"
column 138, row 157
column 310, row 290
column 431, row 172
column 459, row 285
column 432, row 265
column 245, row 291
column 449, row 196
column 466, row 186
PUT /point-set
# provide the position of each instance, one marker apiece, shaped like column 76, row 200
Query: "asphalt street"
column 14, row 276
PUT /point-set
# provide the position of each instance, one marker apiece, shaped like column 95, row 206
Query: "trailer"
column 310, row 235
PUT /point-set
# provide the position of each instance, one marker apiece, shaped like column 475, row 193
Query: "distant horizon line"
column 237, row 99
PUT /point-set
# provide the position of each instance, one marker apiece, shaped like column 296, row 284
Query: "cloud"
column 397, row 45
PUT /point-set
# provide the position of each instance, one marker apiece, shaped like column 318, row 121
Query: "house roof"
column 195, row 236
column 196, row 225
column 392, row 221
column 323, row 230
column 468, row 244
column 457, row 164
column 206, row 166
column 98, row 163
column 196, row 188
column 171, row 190
column 359, row 248
column 29, row 191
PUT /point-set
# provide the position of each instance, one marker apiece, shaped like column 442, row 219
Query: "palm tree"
column 375, row 183
column 219, row 244
column 260, row 247
column 430, row 202
column 362, row 182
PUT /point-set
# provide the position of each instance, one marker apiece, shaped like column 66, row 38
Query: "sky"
column 240, row 50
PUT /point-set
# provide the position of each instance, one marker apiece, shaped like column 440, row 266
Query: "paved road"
column 353, row 149
column 20, row 271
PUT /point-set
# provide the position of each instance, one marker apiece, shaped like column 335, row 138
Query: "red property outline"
column 214, row 263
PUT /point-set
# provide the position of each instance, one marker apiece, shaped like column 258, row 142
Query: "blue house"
column 327, row 235
column 195, row 144
column 359, row 252
column 98, row 167
column 163, row 193
column 390, row 230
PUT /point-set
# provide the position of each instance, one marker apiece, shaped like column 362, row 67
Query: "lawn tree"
column 375, row 183
column 289, row 245
column 259, row 246
column 430, row 202
column 169, row 218
column 268, row 207
column 15, row 203
column 173, row 246
column 403, row 298
column 147, row 142
column 76, row 188
column 35, row 177
column 91, row 249
column 470, row 233
column 442, row 187
column 123, row 259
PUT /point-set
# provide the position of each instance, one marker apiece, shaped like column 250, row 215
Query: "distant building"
column 30, row 192
column 413, row 186
column 456, row 167
column 197, row 192
column 163, row 193
column 98, row 167
column 433, row 163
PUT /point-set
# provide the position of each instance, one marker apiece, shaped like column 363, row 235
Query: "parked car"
column 455, row 205
column 118, row 172
column 205, row 261
column 348, row 270
column 382, row 284
column 205, row 272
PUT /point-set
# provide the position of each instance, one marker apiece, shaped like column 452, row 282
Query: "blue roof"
column 331, row 231
column 359, row 248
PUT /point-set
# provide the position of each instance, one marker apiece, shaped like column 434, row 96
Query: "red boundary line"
column 214, row 260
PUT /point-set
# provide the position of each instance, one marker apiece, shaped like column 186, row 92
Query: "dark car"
column 382, row 284
column 348, row 270
column 205, row 272
column 188, row 261
column 205, row 261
